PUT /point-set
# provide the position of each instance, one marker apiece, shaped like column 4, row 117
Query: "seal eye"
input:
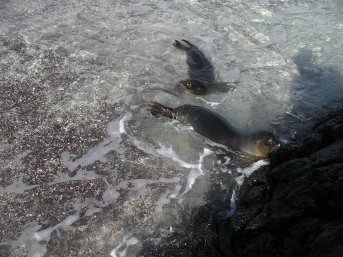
column 268, row 142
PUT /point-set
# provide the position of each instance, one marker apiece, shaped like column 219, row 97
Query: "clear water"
column 90, row 69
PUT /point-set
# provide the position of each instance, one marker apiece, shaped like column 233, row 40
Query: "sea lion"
column 200, row 71
column 216, row 128
column 193, row 86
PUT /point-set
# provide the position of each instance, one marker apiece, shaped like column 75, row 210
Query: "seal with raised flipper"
column 200, row 71
column 216, row 128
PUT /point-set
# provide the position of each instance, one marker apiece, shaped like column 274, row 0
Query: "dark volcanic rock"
column 295, row 206
column 196, row 238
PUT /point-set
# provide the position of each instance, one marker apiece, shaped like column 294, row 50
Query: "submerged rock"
column 295, row 206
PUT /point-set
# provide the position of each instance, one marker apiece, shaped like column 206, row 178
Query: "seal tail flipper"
column 158, row 109
column 180, row 46
column 188, row 43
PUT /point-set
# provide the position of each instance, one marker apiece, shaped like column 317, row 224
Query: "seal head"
column 193, row 86
column 261, row 143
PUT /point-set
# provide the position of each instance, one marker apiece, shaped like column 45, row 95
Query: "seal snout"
column 261, row 143
column 184, row 84
column 272, row 143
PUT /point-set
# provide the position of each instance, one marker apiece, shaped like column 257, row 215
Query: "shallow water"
column 86, row 170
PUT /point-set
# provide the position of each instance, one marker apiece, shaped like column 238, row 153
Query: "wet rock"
column 196, row 236
column 294, row 207
column 15, row 42
column 5, row 250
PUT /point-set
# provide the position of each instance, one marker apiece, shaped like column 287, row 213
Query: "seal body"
column 216, row 128
column 208, row 124
column 199, row 67
column 200, row 71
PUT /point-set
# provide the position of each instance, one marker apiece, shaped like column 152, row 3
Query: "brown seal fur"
column 216, row 128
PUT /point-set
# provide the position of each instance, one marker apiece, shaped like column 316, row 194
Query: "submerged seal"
column 217, row 129
column 193, row 86
column 200, row 71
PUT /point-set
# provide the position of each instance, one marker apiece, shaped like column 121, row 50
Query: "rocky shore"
column 293, row 207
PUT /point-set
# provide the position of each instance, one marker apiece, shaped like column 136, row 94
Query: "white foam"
column 194, row 174
column 212, row 104
column 233, row 206
column 249, row 170
column 165, row 232
column 191, row 178
column 46, row 233
column 289, row 111
column 84, row 175
column 225, row 167
column 227, row 149
column 205, row 153
column 196, row 170
column 31, row 237
column 18, row 187
column 227, row 160
column 179, row 126
column 246, row 172
column 140, row 185
column 166, row 198
column 122, row 121
column 170, row 153
column 147, row 148
column 32, row 246
column 239, row 180
column 121, row 249
column 115, row 129
column 111, row 194
column 91, row 211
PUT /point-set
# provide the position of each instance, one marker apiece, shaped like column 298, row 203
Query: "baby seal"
column 217, row 129
column 200, row 71
column 193, row 86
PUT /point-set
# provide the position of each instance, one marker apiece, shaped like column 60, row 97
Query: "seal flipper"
column 180, row 46
column 188, row 43
column 158, row 109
